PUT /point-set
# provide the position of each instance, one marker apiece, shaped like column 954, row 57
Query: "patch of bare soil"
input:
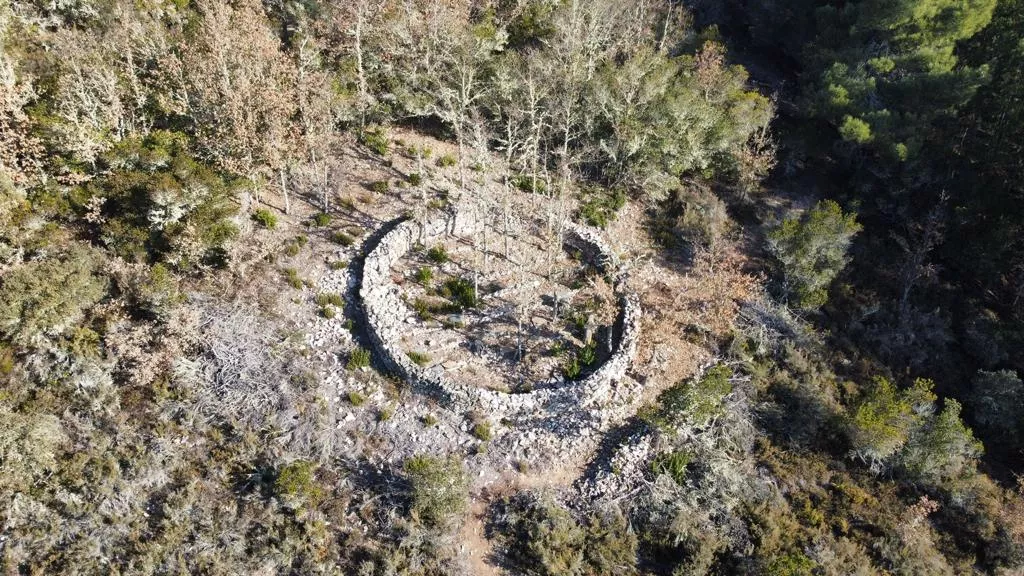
column 474, row 543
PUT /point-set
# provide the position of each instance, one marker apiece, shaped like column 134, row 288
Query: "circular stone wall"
column 386, row 314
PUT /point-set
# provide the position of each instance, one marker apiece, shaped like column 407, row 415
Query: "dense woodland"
column 862, row 159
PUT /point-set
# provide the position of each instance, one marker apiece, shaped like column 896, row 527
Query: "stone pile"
column 547, row 423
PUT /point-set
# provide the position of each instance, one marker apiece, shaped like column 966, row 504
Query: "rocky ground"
column 384, row 420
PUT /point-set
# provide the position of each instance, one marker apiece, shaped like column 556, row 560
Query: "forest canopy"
column 817, row 203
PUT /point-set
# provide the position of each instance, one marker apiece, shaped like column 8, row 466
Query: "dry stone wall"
column 559, row 414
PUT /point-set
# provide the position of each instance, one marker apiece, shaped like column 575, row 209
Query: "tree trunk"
column 284, row 191
column 360, row 71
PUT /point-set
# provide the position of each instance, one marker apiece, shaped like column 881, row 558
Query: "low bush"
column 342, row 238
column 424, row 309
column 672, row 464
column 327, row 312
column 296, row 480
column 294, row 246
column 424, row 275
column 571, row 367
column 380, row 187
column 265, row 218
column 588, row 354
column 348, row 204
column 543, row 538
column 419, row 358
column 338, row 264
column 356, row 399
column 482, row 431
column 151, row 201
column 460, row 291
column 44, row 298
column 415, row 178
column 437, row 254
column 359, row 358
column 329, row 298
column 375, row 138
column 529, row 184
column 697, row 400
column 291, row 276
column 601, row 206
column 321, row 219
column 438, row 489
column 447, row 160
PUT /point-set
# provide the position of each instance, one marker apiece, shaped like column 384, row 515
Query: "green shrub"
column 855, row 130
column 529, row 184
column 578, row 322
column 571, row 367
column 156, row 294
column 588, row 354
column 547, row 539
column 6, row 360
column 294, row 246
column 884, row 416
column 385, row 414
column 291, row 276
column 460, row 291
column 380, row 187
column 415, row 178
column 429, row 420
column 321, row 219
column 543, row 538
column 791, row 564
column 265, row 218
column 47, row 297
column 356, row 399
column 482, row 431
column 811, row 250
column 329, row 298
column 375, row 138
column 342, row 238
column 438, row 489
column 297, row 480
column 672, row 464
column 158, row 199
column 611, row 545
column 437, row 254
column 601, row 206
column 419, row 358
column 697, row 400
column 447, row 160
column 338, row 264
column 424, row 310
column 424, row 275
column 327, row 312
column 359, row 358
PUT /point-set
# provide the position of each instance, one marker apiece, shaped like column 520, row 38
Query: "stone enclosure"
column 558, row 416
